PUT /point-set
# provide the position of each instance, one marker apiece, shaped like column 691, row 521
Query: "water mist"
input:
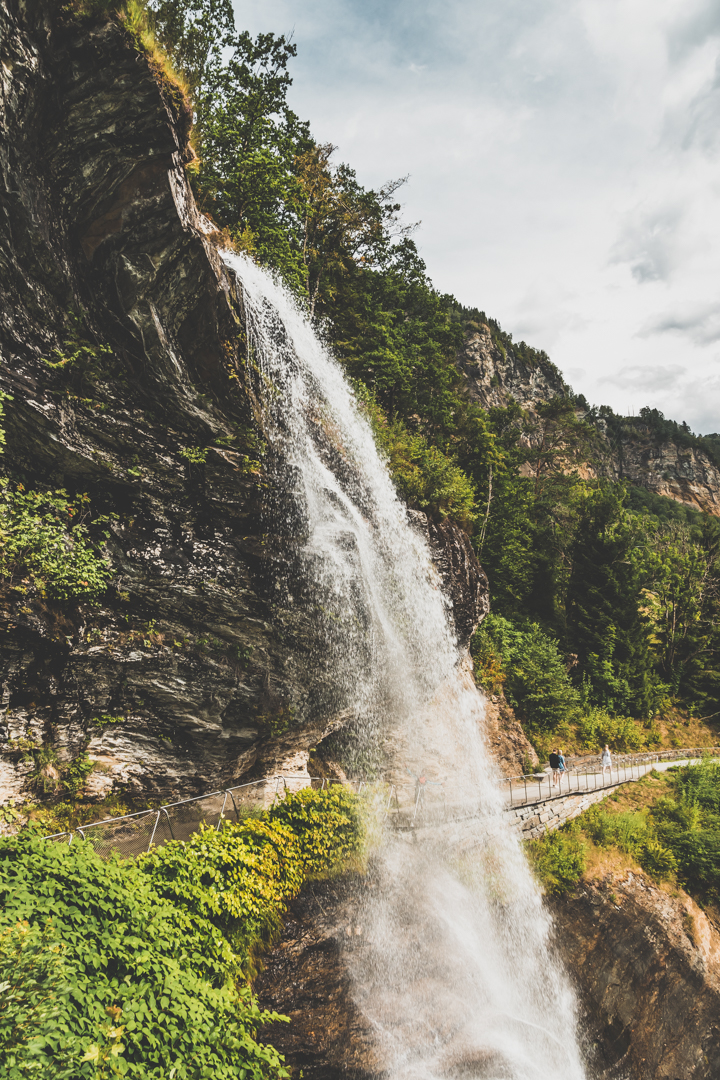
column 456, row 974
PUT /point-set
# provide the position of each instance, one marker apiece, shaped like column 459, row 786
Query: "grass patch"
column 667, row 824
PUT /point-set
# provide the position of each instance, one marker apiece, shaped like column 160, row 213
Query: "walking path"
column 407, row 806
column 586, row 776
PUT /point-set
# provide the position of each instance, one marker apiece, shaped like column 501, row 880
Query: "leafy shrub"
column 168, row 970
column 425, row 477
column 241, row 877
column 238, row 878
column 327, row 825
column 596, row 727
column 194, row 455
column 632, row 832
column 689, row 826
column 46, row 535
column 657, row 859
column 487, row 661
column 559, row 859
column 699, row 785
column 536, row 678
column 34, row 989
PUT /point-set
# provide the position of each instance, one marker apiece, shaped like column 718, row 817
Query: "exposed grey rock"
column 495, row 376
column 190, row 673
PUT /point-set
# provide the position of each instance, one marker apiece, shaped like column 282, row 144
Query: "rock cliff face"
column 495, row 376
column 647, row 966
column 683, row 473
column 181, row 677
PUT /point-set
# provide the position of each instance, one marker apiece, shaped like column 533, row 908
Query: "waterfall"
column 456, row 973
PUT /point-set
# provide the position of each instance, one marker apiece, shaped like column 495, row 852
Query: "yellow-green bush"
column 241, row 877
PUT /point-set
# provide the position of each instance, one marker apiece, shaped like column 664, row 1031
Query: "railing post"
column 167, row 818
column 154, row 830
column 417, row 803
column 237, row 815
column 222, row 811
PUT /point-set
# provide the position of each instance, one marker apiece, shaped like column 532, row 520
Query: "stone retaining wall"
column 534, row 819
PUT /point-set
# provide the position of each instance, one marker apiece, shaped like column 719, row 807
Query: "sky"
column 564, row 164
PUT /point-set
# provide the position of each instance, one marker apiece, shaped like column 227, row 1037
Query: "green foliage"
column 596, row 727
column 559, row 859
column 605, row 623
column 238, row 879
column 633, row 833
column 47, row 535
column 194, row 455
column 125, row 947
column 34, row 989
column 76, row 773
column 535, row 674
column 241, row 877
column 689, row 826
column 425, row 478
column 327, row 824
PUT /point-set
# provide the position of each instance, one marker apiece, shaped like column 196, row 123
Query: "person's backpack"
column 554, row 761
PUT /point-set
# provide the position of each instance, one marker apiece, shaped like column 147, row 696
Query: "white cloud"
column 701, row 324
column 562, row 159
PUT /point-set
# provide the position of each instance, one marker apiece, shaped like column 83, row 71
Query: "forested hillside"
column 605, row 597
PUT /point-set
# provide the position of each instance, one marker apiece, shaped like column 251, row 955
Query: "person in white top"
column 606, row 762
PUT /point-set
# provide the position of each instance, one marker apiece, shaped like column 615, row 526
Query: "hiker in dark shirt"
column 554, row 761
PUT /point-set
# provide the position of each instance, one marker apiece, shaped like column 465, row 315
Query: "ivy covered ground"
column 140, row 967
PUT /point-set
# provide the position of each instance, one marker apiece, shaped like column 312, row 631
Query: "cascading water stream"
column 456, row 975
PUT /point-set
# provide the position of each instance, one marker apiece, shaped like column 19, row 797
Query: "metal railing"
column 406, row 806
column 136, row 833
column 588, row 774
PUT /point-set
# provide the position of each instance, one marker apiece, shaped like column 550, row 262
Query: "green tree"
column 606, row 627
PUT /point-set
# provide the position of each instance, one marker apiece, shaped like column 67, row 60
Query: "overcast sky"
column 564, row 161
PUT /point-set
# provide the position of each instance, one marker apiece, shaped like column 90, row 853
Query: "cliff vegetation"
column 139, row 967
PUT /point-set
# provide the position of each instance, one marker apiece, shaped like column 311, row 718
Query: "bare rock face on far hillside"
column 494, row 374
column 683, row 473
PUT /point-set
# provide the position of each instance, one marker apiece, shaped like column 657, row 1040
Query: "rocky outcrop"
column 506, row 740
column 464, row 580
column 99, row 230
column 185, row 675
column 646, row 963
column 495, row 373
column 683, row 473
column 305, row 976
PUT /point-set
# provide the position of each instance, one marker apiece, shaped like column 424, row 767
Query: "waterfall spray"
column 457, row 975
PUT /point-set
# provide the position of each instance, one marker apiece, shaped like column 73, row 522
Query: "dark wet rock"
column 305, row 977
column 463, row 577
column 193, row 670
column 181, row 658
